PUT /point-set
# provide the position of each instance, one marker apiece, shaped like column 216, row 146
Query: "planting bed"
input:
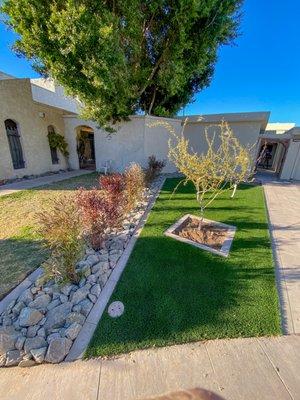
column 212, row 236
column 41, row 323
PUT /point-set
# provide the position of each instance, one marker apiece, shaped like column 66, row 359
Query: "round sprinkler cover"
column 115, row 309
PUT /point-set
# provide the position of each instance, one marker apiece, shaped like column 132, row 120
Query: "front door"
column 86, row 150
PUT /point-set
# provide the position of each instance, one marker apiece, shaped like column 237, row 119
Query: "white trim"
column 227, row 242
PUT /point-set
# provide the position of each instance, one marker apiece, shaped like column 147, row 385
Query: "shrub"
column 134, row 186
column 154, row 169
column 60, row 228
column 113, row 185
column 99, row 210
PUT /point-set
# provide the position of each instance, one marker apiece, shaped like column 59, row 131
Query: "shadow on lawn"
column 86, row 180
column 18, row 258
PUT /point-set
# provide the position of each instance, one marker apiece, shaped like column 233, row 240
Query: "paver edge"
column 285, row 311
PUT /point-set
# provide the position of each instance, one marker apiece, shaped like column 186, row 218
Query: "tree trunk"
column 234, row 190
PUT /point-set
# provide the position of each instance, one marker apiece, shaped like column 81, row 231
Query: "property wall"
column 16, row 103
column 133, row 141
column 291, row 167
column 142, row 136
column 246, row 132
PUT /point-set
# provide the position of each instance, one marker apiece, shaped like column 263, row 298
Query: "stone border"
column 227, row 242
column 18, row 290
column 85, row 335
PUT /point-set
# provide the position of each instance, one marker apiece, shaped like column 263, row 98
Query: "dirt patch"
column 209, row 234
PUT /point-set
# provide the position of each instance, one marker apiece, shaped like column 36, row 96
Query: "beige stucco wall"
column 246, row 132
column 137, row 139
column 133, row 141
column 16, row 103
column 291, row 167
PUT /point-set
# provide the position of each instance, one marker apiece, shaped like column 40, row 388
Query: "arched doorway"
column 85, row 147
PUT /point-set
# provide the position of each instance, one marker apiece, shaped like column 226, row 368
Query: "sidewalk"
column 44, row 180
column 236, row 369
column 283, row 201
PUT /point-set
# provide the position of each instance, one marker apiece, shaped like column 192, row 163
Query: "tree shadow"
column 19, row 257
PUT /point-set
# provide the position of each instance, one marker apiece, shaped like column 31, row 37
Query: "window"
column 14, row 142
column 53, row 150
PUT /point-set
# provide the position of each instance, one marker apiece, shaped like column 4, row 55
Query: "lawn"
column 20, row 245
column 176, row 293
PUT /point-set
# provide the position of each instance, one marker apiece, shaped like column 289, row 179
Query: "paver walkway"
column 235, row 369
column 43, row 180
column 283, row 200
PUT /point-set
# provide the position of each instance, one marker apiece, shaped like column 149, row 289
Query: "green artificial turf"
column 176, row 293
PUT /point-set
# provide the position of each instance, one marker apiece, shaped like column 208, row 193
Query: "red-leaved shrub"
column 153, row 169
column 99, row 211
column 113, row 184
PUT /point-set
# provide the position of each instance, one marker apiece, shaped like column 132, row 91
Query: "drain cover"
column 116, row 309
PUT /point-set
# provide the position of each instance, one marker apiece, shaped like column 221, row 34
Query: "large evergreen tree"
column 122, row 56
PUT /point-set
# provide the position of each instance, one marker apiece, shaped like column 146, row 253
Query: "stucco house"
column 31, row 108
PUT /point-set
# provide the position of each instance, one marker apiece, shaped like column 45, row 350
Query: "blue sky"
column 261, row 72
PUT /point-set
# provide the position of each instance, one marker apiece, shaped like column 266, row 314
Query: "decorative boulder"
column 34, row 343
column 57, row 316
column 30, row 316
column 8, row 337
column 58, row 349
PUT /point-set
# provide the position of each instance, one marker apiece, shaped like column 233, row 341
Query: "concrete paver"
column 235, row 369
column 283, row 201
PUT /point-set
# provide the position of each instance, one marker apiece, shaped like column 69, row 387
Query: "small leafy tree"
column 222, row 167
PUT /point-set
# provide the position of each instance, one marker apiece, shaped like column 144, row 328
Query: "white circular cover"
column 115, row 309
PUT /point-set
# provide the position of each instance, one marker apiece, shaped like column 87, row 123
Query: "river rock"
column 52, row 336
column 72, row 331
column 79, row 295
column 20, row 342
column 57, row 316
column 86, row 306
column 40, row 301
column 32, row 331
column 54, row 303
column 75, row 317
column 34, row 343
column 8, row 337
column 30, row 316
column 13, row 357
column 92, row 297
column 58, row 349
column 66, row 289
column 96, row 290
column 92, row 259
column 39, row 354
column 26, row 297
column 18, row 307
